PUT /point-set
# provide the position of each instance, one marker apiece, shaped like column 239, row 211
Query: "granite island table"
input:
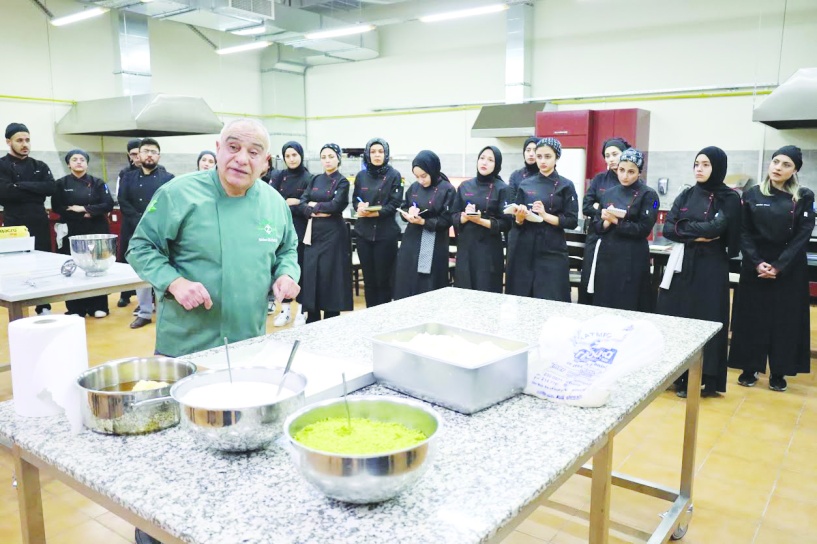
column 491, row 471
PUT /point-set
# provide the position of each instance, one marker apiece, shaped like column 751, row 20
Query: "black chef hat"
column 203, row 153
column 76, row 152
column 14, row 128
column 334, row 147
column 615, row 141
column 791, row 151
column 529, row 140
column 133, row 144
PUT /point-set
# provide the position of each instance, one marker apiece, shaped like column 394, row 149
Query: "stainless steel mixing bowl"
column 243, row 429
column 366, row 478
column 94, row 253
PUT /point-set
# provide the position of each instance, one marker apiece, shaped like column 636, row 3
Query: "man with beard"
column 24, row 184
column 134, row 163
column 135, row 192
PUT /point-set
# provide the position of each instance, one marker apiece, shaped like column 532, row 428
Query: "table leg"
column 600, row 493
column 691, row 425
column 17, row 310
column 29, row 499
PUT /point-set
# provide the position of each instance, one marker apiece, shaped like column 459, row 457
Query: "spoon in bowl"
column 289, row 365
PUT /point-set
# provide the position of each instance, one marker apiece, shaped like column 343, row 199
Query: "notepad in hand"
column 621, row 214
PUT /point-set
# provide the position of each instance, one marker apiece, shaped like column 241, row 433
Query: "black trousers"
column 83, row 306
column 377, row 261
column 38, row 227
column 315, row 315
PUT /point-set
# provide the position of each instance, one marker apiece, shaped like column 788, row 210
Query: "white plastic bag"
column 579, row 362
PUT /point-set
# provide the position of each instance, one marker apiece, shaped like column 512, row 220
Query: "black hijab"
column 493, row 176
column 429, row 162
column 300, row 151
column 615, row 141
column 717, row 157
column 373, row 170
column 531, row 168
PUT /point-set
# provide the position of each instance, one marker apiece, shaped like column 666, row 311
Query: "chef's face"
column 149, row 156
column 207, row 162
column 329, row 160
column 134, row 157
column 377, row 155
column 530, row 153
column 545, row 159
column 241, row 157
column 781, row 169
column 702, row 168
column 292, row 158
column 486, row 162
column 19, row 144
column 422, row 176
column 627, row 173
column 611, row 156
column 78, row 165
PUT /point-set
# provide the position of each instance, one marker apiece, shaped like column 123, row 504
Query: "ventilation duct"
column 793, row 104
column 509, row 120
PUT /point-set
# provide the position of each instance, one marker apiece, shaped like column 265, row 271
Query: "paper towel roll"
column 47, row 354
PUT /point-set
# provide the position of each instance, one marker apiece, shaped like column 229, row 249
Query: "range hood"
column 793, row 104
column 141, row 116
column 507, row 120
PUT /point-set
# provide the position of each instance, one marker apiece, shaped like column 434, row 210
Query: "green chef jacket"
column 235, row 246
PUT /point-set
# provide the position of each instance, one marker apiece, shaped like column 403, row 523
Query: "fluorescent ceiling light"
column 250, row 30
column 460, row 14
column 80, row 16
column 243, row 47
column 338, row 32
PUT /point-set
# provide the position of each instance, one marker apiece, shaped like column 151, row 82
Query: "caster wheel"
column 680, row 532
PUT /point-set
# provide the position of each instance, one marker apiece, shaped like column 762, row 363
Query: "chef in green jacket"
column 213, row 243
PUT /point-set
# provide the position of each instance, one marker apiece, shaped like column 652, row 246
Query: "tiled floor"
column 755, row 484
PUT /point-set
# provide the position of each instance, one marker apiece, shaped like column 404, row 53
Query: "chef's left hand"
column 607, row 215
column 75, row 208
column 285, row 288
column 538, row 207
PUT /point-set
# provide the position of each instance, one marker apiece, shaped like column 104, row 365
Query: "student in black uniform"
column 134, row 162
column 135, row 194
column 771, row 317
column 538, row 263
column 422, row 261
column 530, row 168
column 377, row 232
column 24, row 184
column 616, row 267
column 327, row 271
column 611, row 150
column 479, row 219
column 705, row 220
column 291, row 183
column 83, row 203
column 206, row 160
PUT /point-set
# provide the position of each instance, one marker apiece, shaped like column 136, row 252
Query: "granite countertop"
column 488, row 468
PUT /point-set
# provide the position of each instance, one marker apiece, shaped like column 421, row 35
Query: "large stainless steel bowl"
column 366, row 478
column 110, row 411
column 243, row 429
column 94, row 253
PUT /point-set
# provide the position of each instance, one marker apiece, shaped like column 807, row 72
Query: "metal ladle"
column 289, row 365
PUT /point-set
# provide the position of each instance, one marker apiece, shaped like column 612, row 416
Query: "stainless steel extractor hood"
column 793, row 104
column 507, row 120
column 141, row 116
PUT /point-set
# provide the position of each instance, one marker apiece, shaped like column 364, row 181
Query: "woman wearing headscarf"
column 611, row 150
column 206, row 160
column 704, row 222
column 616, row 266
column 771, row 317
column 83, row 203
column 422, row 261
column 530, row 168
column 538, row 264
column 292, row 183
column 326, row 274
column 479, row 219
column 377, row 195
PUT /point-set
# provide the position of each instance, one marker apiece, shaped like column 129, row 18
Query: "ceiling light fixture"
column 80, row 16
column 338, row 32
column 250, row 30
column 243, row 47
column 460, row 14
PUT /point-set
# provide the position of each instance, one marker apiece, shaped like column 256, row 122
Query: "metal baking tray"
column 460, row 388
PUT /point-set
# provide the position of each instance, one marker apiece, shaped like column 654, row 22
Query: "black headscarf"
column 793, row 152
column 531, row 168
column 14, row 128
column 334, row 147
column 429, row 162
column 76, row 152
column 717, row 158
column 203, row 153
column 497, row 165
column 300, row 151
column 615, row 141
column 367, row 157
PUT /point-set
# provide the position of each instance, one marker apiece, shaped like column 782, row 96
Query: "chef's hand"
column 75, row 208
column 414, row 211
column 285, row 288
column 766, row 271
column 521, row 213
column 702, row 239
column 190, row 294
column 538, row 207
column 293, row 201
column 608, row 217
column 361, row 209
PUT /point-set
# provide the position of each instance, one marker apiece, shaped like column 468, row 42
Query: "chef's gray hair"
column 258, row 125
